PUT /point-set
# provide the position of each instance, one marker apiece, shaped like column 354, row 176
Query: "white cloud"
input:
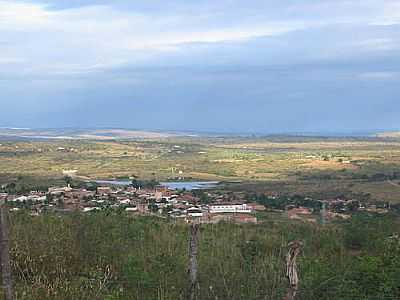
column 214, row 36
column 383, row 44
column 96, row 37
column 22, row 16
column 389, row 14
column 392, row 12
column 10, row 60
column 380, row 75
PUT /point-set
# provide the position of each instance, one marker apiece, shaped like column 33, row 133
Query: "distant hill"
column 124, row 134
column 389, row 134
column 91, row 134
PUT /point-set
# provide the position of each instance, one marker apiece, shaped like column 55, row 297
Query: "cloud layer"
column 223, row 65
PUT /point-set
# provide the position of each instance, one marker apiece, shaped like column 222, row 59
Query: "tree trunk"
column 193, row 268
column 5, row 254
column 291, row 269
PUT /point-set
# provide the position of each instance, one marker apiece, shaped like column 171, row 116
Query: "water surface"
column 173, row 185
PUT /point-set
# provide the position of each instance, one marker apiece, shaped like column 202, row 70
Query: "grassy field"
column 115, row 256
column 315, row 166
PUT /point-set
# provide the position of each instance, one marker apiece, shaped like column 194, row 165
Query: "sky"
column 220, row 66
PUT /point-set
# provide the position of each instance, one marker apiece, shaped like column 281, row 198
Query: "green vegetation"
column 282, row 202
column 114, row 256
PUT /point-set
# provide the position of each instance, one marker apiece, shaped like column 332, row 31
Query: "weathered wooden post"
column 5, row 253
column 193, row 268
column 291, row 269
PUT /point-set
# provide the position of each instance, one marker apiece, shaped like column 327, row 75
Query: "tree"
column 68, row 180
column 136, row 183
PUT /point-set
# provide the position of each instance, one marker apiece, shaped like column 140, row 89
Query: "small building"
column 20, row 199
column 229, row 208
column 59, row 190
column 256, row 207
column 158, row 195
column 89, row 209
column 125, row 201
column 194, row 212
column 143, row 208
column 299, row 211
column 131, row 209
column 104, row 190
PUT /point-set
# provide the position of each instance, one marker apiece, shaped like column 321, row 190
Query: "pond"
column 173, row 185
column 190, row 185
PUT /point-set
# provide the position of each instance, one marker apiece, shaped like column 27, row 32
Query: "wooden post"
column 5, row 254
column 193, row 268
column 291, row 269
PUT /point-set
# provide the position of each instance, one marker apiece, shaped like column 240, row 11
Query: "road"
column 393, row 183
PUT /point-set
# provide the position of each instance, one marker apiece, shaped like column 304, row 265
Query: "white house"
column 59, row 190
column 131, row 209
column 35, row 198
column 194, row 212
column 20, row 199
column 170, row 200
column 229, row 208
column 89, row 209
column 125, row 201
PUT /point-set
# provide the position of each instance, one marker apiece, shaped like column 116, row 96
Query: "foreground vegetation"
column 111, row 255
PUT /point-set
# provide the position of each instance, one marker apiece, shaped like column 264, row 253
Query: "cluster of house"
column 186, row 206
column 216, row 212
column 64, row 199
column 160, row 201
column 336, row 209
column 177, row 205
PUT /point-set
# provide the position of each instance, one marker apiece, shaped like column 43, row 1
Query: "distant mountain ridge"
column 124, row 133
column 90, row 134
column 389, row 134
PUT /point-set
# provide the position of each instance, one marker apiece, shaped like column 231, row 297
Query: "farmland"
column 306, row 165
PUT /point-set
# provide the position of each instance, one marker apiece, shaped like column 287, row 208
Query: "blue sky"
column 226, row 66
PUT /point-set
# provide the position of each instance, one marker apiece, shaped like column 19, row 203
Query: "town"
column 203, row 205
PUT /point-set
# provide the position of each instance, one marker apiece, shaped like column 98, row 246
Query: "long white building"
column 229, row 208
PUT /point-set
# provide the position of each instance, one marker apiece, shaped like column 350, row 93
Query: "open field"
column 315, row 166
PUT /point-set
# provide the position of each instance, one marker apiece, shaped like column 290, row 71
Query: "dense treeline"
column 108, row 255
column 373, row 177
column 282, row 201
